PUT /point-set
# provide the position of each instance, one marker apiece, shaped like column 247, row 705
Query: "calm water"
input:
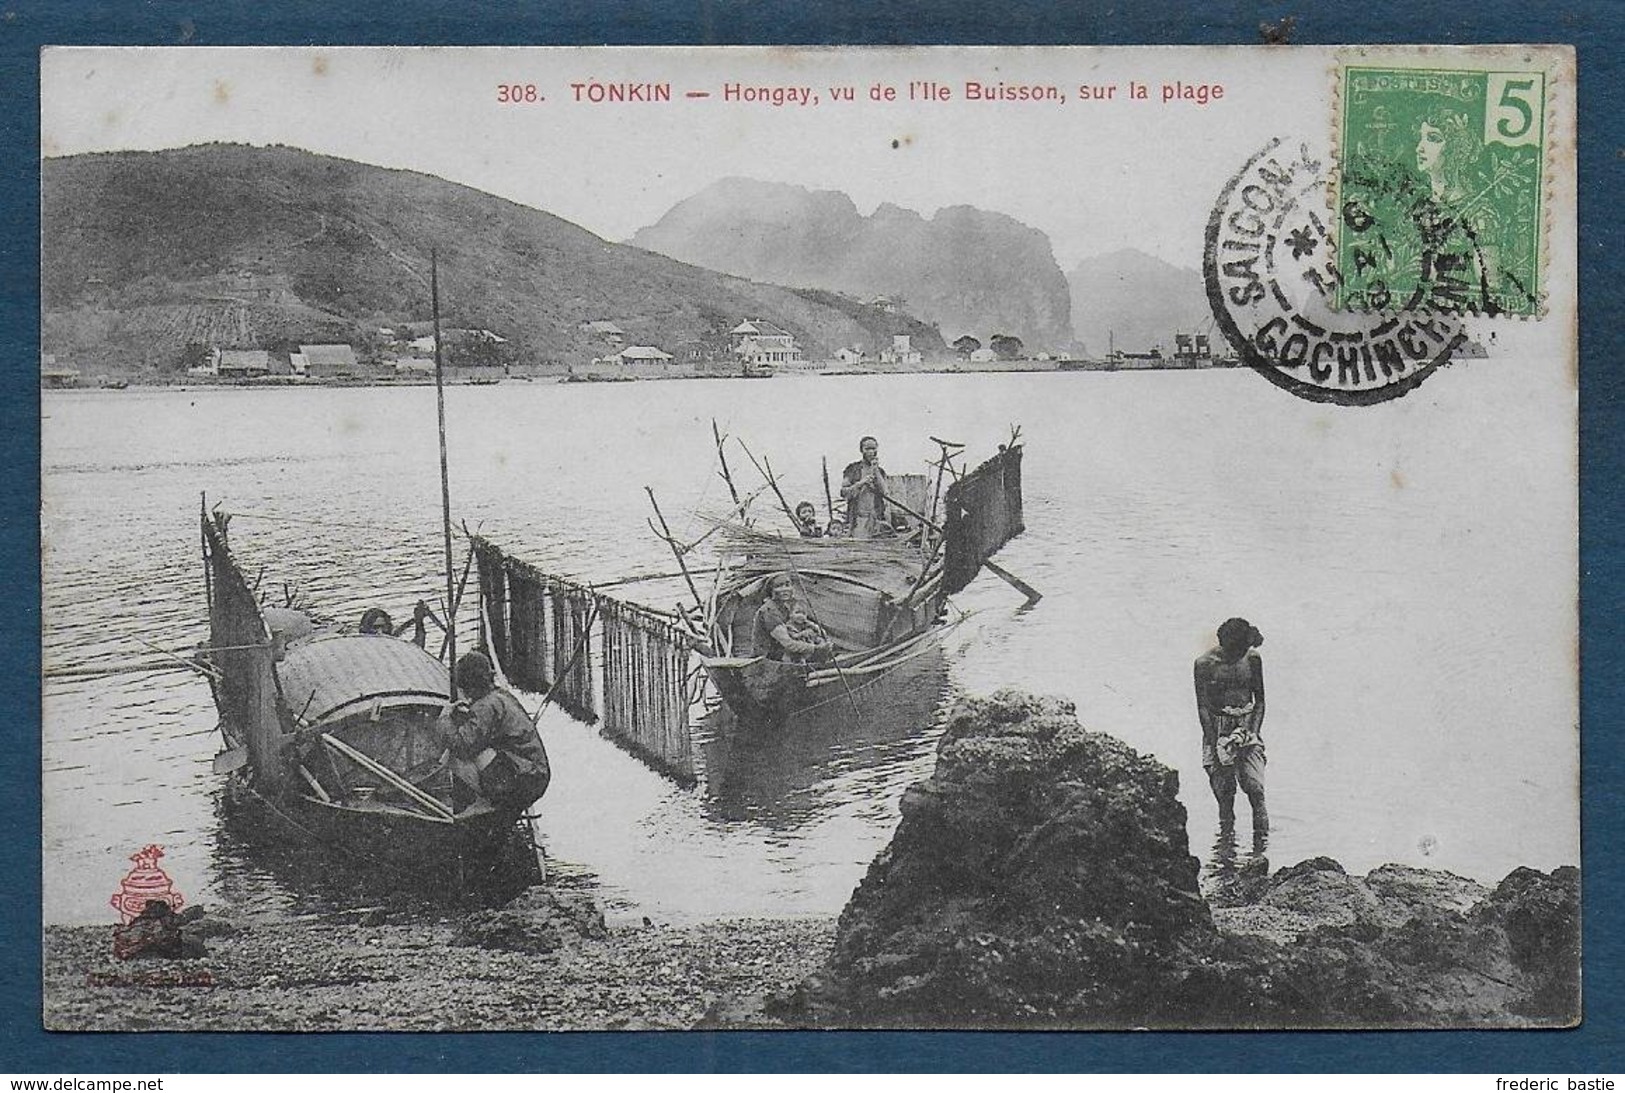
column 1412, row 572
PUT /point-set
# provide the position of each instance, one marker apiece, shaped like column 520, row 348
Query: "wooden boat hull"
column 393, row 840
column 344, row 862
column 762, row 693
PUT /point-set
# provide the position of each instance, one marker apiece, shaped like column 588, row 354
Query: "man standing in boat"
column 496, row 751
column 771, row 637
column 1230, row 707
column 864, row 488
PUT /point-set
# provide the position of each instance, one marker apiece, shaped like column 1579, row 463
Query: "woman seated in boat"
column 771, row 637
column 496, row 751
column 805, row 630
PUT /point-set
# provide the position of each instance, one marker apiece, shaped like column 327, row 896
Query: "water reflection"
column 1226, row 863
column 778, row 778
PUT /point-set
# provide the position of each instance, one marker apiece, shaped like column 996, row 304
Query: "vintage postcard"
column 669, row 538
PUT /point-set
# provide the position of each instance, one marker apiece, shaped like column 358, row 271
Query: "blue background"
column 1594, row 27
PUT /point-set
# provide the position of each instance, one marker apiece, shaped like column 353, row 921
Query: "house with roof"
column 240, row 363
column 759, row 343
column 633, row 362
column 605, row 331
column 642, row 354
column 902, row 351
column 849, row 355
column 331, row 362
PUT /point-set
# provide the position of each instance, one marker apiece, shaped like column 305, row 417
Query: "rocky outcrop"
column 1041, row 878
column 965, row 269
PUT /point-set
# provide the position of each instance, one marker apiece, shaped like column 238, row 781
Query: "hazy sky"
column 1096, row 176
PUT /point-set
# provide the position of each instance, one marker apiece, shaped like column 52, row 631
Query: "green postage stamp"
column 1441, row 197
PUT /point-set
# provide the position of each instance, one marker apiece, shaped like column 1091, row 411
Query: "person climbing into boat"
column 807, row 521
column 864, row 488
column 771, row 636
column 496, row 751
column 1230, row 706
column 804, row 629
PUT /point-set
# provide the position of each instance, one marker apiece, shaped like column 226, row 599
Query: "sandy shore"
column 321, row 976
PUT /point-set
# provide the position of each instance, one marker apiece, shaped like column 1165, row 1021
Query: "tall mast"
column 445, row 478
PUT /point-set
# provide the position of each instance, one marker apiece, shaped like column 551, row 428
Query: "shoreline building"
column 902, row 351
column 760, row 344
column 240, row 364
column 331, row 362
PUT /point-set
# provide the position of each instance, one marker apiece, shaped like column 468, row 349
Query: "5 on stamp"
column 1440, row 201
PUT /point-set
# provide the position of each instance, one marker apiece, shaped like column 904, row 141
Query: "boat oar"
column 1032, row 594
column 368, row 763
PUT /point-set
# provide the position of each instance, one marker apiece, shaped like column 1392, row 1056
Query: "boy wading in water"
column 1230, row 706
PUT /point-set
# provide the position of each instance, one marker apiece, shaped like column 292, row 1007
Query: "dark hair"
column 807, row 505
column 474, row 668
column 375, row 620
column 1238, row 633
column 862, row 440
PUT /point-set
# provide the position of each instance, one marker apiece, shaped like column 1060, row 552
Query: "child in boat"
column 803, row 628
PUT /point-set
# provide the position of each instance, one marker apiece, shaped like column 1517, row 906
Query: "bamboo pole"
column 722, row 458
column 445, row 474
column 310, row 780
column 368, row 763
column 212, row 673
column 671, row 541
column 771, row 481
column 457, row 600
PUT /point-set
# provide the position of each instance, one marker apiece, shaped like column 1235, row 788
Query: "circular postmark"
column 1281, row 294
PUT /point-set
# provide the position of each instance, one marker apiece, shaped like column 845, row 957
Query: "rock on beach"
column 1042, row 878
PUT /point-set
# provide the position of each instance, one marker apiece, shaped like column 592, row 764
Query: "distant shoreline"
column 119, row 383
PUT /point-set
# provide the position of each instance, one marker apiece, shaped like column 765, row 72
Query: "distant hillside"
column 1135, row 301
column 966, row 270
column 144, row 252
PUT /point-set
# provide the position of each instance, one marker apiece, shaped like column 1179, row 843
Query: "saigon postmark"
column 1271, row 265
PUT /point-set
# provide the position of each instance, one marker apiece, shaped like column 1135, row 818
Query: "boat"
column 882, row 602
column 334, row 730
